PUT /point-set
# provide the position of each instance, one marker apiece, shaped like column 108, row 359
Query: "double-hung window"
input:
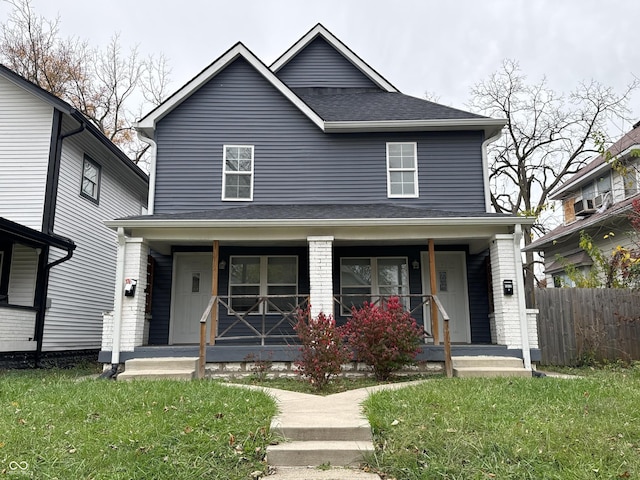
column 237, row 175
column 255, row 277
column 402, row 170
column 368, row 279
column 90, row 187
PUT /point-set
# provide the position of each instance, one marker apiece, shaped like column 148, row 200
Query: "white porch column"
column 129, row 311
column 321, row 275
column 133, row 315
column 510, row 315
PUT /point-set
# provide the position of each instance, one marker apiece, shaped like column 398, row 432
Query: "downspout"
column 152, row 173
column 117, row 307
column 51, row 196
column 522, row 305
column 485, row 170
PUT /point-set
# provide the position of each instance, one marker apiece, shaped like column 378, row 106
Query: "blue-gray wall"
column 294, row 160
column 320, row 65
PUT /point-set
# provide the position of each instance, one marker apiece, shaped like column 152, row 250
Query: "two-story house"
column 314, row 180
column 596, row 200
column 60, row 180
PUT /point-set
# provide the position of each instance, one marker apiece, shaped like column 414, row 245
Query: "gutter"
column 151, row 196
column 485, row 169
column 522, row 304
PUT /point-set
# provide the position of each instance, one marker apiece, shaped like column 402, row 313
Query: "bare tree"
column 548, row 137
column 102, row 84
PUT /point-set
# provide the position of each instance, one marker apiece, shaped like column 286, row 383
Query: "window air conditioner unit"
column 598, row 200
column 584, row 206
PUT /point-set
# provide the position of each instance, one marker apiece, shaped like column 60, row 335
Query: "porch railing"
column 256, row 311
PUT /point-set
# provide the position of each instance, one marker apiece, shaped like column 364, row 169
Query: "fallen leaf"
column 451, row 430
column 395, row 422
column 72, row 450
column 232, row 439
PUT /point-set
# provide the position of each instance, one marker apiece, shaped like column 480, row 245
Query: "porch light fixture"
column 222, row 265
column 415, row 264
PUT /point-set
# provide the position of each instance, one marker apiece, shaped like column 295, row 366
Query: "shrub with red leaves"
column 323, row 351
column 384, row 337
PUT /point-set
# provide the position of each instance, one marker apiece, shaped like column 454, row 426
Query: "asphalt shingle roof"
column 365, row 106
column 289, row 212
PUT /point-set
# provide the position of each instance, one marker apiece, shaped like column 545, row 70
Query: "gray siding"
column 295, row 162
column 321, row 65
column 82, row 288
column 22, row 279
column 25, row 134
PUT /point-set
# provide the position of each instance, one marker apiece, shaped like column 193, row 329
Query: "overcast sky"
column 443, row 47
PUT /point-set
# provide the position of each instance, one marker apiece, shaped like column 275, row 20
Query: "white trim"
column 240, row 173
column 320, row 30
column 119, row 292
column 319, row 222
column 148, row 123
column 416, row 192
column 489, row 125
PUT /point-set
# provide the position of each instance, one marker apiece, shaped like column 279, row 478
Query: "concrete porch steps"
column 319, row 452
column 489, row 366
column 176, row 368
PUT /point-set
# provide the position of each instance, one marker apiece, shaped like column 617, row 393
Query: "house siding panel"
column 82, row 288
column 161, row 299
column 477, row 281
column 25, row 133
column 22, row 279
column 321, row 65
column 240, row 107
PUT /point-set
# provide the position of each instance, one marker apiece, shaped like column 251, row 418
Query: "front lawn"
column 526, row 428
column 53, row 425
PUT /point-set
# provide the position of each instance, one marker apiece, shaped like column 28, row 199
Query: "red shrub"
column 323, row 351
column 384, row 337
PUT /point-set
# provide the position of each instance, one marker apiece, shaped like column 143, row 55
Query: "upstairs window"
column 631, row 180
column 237, row 177
column 90, row 187
column 402, row 170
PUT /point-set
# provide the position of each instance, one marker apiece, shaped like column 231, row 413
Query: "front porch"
column 259, row 276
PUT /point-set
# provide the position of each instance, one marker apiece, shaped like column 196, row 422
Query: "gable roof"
column 67, row 109
column 349, row 110
column 147, row 124
column 320, row 30
column 600, row 164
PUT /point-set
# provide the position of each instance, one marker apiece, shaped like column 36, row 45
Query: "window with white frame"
column 255, row 277
column 630, row 179
column 90, row 187
column 237, row 175
column 369, row 278
column 402, row 170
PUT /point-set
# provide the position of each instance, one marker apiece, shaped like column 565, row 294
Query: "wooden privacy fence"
column 577, row 324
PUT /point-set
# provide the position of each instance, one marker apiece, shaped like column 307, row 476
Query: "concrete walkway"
column 323, row 431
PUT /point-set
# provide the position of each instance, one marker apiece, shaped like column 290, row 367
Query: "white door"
column 191, row 293
column 451, row 279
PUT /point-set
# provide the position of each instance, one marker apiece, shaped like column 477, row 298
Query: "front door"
column 451, row 279
column 191, row 294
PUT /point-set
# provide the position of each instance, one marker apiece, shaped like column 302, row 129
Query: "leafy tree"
column 619, row 269
column 102, row 84
column 548, row 137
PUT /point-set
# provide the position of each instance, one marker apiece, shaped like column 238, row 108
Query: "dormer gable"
column 148, row 123
column 319, row 59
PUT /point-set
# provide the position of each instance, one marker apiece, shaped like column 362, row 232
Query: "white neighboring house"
column 598, row 200
column 60, row 180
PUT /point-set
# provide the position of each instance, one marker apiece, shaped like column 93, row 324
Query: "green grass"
column 56, row 426
column 529, row 428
